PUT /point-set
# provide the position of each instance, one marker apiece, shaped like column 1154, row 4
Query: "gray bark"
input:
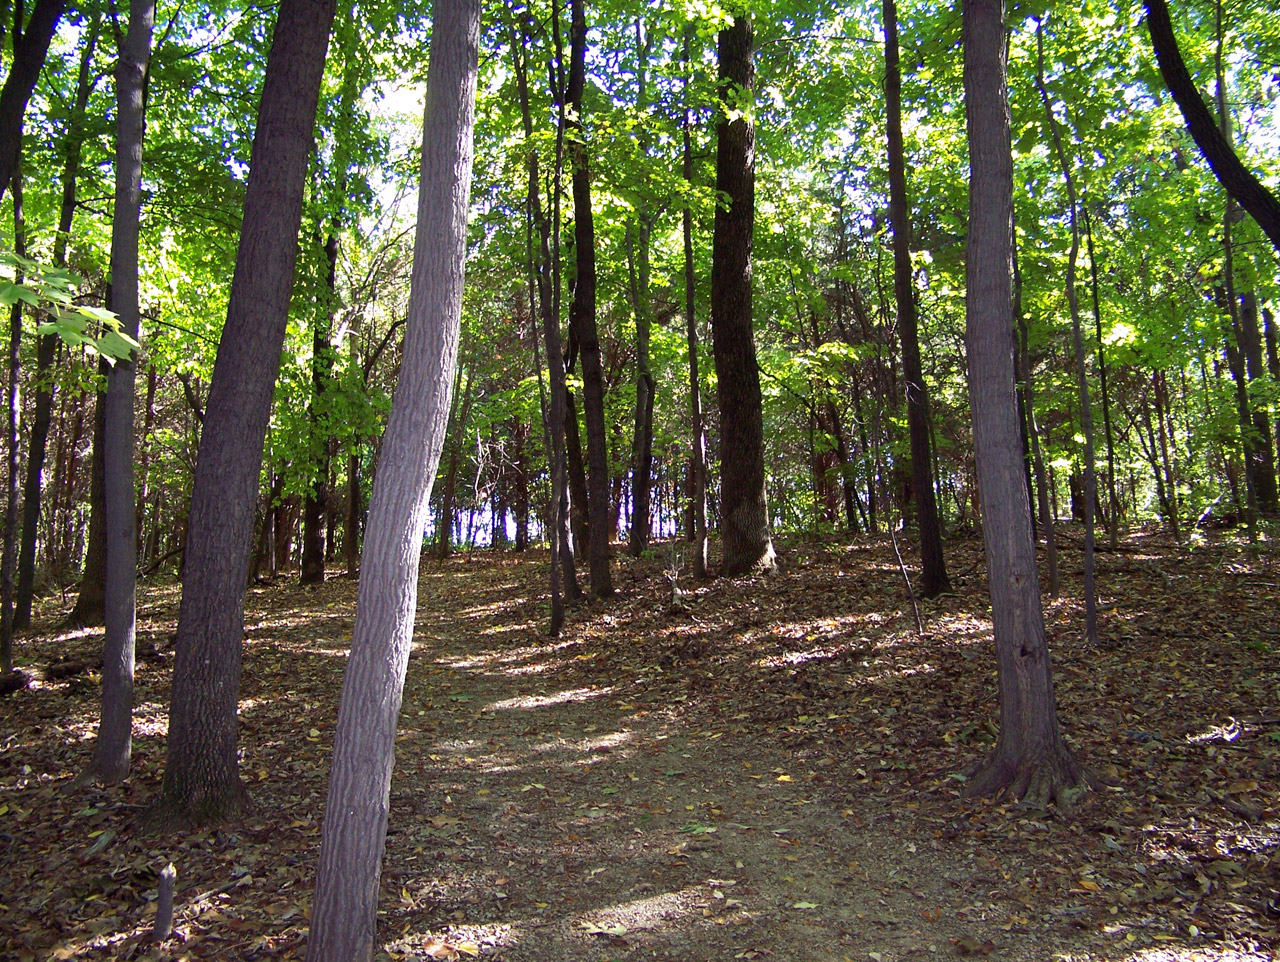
column 113, row 747
column 344, row 913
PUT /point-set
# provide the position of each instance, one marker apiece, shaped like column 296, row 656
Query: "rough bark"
column 744, row 514
column 1030, row 760
column 933, row 566
column 344, row 913
column 113, row 748
column 201, row 779
column 30, row 47
column 1217, row 150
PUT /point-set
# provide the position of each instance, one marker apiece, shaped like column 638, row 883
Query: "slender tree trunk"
column 201, row 779
column 344, row 916
column 113, row 748
column 316, row 505
column 933, row 565
column 642, row 435
column 1077, row 340
column 1030, row 760
column 582, row 313
column 30, row 47
column 576, row 472
column 744, row 513
column 13, row 451
column 698, row 438
column 90, row 606
column 1113, row 508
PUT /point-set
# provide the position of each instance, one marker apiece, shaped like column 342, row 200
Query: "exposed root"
column 1033, row 784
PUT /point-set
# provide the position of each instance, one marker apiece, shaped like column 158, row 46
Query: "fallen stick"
column 164, row 904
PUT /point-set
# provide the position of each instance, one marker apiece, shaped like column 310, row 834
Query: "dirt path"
column 771, row 772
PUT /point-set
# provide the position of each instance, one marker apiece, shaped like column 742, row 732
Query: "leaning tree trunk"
column 1030, row 759
column 744, row 513
column 582, row 315
column 1217, row 150
column 114, row 745
column 933, row 565
column 344, row 913
column 202, row 779
column 30, row 47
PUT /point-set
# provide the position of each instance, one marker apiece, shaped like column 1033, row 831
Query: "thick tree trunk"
column 113, row 748
column 344, row 913
column 582, row 314
column 201, row 779
column 315, row 507
column 1030, row 759
column 1242, row 185
column 933, row 565
column 30, row 47
column 744, row 513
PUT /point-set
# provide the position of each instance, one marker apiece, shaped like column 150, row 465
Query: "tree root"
column 1033, row 784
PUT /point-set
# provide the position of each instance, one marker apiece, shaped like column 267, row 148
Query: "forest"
column 541, row 481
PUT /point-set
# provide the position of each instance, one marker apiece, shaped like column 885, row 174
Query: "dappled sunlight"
column 521, row 702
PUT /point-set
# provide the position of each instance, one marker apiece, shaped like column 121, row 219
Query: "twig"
column 906, row 579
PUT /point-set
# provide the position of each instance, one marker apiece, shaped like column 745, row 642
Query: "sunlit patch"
column 491, row 659
column 524, row 702
column 1217, row 733
column 656, row 911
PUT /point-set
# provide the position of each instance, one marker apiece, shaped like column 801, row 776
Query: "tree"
column 744, row 515
column 933, row 565
column 30, row 47
column 1030, row 760
column 1077, row 341
column 344, row 913
column 583, row 333
column 113, row 748
column 1239, row 182
column 201, row 779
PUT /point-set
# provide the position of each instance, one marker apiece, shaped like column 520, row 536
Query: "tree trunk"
column 933, row 565
column 90, row 606
column 13, row 450
column 1077, row 340
column 642, row 434
column 1113, row 512
column 698, row 436
column 316, row 505
column 113, row 748
column 1030, row 760
column 201, row 779
column 582, row 314
column 30, row 47
column 344, row 914
column 744, row 513
column 1217, row 150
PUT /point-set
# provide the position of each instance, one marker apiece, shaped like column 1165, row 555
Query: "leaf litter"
column 774, row 771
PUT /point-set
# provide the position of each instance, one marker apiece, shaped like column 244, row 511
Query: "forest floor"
column 774, row 772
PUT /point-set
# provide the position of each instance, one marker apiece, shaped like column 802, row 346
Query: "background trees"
column 606, row 151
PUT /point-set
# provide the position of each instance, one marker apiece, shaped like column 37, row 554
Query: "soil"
column 766, row 768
